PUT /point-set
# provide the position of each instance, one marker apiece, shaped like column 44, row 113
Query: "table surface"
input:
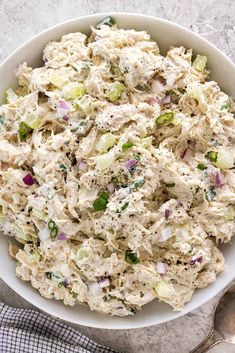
column 21, row 20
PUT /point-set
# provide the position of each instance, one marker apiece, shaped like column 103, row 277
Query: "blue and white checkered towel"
column 29, row 331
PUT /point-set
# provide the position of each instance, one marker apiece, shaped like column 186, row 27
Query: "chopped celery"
column 195, row 90
column 11, row 96
column 200, row 63
column 230, row 213
column 105, row 142
column 75, row 90
column 39, row 214
column 164, row 289
column 165, row 119
column 23, row 131
column 109, row 21
column 115, row 91
column 81, row 254
column 34, row 122
column 84, row 104
column 57, row 81
column 105, row 160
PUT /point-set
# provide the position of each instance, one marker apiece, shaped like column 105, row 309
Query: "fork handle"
column 211, row 340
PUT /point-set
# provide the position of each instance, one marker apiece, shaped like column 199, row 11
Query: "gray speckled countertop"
column 214, row 20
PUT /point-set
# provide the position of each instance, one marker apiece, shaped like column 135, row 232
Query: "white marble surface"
column 213, row 19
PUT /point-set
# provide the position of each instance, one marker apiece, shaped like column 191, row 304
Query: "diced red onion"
column 62, row 109
column 196, row 259
column 111, row 188
column 66, row 118
column 95, row 288
column 167, row 213
column 129, row 164
column 165, row 100
column 66, row 283
column 82, row 165
column 62, row 236
column 162, row 80
column 171, row 80
column 166, row 234
column 161, row 268
column 63, row 105
column 104, row 282
column 218, row 181
column 44, row 234
column 28, row 180
column 152, row 100
column 186, row 154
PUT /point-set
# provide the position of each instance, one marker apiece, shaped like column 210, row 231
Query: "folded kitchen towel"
column 29, row 331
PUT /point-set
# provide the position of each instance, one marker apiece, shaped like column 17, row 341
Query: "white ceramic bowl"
column 166, row 34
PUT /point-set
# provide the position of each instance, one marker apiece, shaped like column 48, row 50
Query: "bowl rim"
column 48, row 309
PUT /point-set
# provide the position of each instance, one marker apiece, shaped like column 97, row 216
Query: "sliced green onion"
column 131, row 257
column 53, row 232
column 225, row 107
column 165, row 119
column 138, row 184
column 201, row 166
column 200, row 62
column 115, row 91
column 127, row 145
column 212, row 156
column 108, row 21
column 210, row 194
column 51, row 225
column 23, row 131
column 170, row 185
column 124, row 206
column 137, row 158
column 100, row 204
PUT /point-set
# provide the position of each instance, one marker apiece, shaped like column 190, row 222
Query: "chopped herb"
column 53, row 232
column 165, row 119
column 225, row 107
column 212, row 156
column 101, row 202
column 131, row 257
column 124, row 206
column 170, row 185
column 201, row 166
column 63, row 168
column 127, row 145
column 23, row 131
column 138, row 184
column 51, row 225
column 210, row 194
column 109, row 21
column 74, row 295
column 137, row 158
